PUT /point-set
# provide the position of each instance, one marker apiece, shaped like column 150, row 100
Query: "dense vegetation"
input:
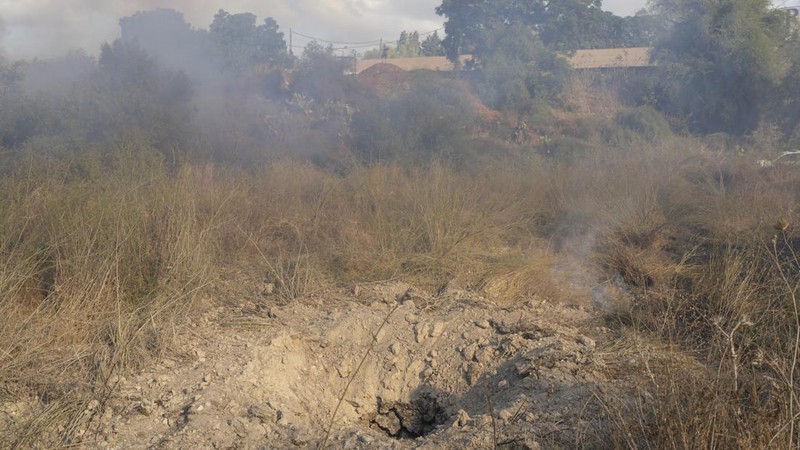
column 132, row 180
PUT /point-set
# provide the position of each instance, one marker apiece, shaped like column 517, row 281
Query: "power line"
column 363, row 43
column 376, row 41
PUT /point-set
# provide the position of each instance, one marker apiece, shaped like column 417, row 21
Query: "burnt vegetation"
column 131, row 178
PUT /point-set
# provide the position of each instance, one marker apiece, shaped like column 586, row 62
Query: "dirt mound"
column 393, row 366
column 385, row 79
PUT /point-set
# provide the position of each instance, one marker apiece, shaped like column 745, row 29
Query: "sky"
column 45, row 28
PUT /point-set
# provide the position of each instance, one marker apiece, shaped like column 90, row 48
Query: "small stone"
column 395, row 348
column 483, row 324
column 469, row 352
column 502, row 383
column 484, row 355
column 427, row 373
column 259, row 412
column 412, row 318
column 389, row 422
column 206, row 378
column 433, row 354
column 437, row 330
column 283, row 420
column 420, row 332
column 269, row 288
column 356, row 291
column 462, row 418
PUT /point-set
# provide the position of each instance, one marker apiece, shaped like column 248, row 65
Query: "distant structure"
column 422, row 62
column 604, row 58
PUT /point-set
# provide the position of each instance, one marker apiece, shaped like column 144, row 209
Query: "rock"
column 269, row 288
column 283, row 420
column 437, row 330
column 420, row 332
column 395, row 348
column 469, row 352
column 388, row 422
column 462, row 418
column 483, row 324
column 356, row 291
column 412, row 318
column 484, row 355
column 502, row 383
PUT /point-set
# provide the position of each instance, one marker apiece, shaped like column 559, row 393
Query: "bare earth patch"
column 452, row 370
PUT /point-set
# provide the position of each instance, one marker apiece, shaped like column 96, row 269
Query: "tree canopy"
column 562, row 25
column 242, row 43
column 721, row 61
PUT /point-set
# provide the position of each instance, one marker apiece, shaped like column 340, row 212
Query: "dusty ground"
column 414, row 370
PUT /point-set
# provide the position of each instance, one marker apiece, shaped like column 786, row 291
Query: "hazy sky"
column 49, row 27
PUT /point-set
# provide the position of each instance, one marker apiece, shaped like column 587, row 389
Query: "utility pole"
column 291, row 49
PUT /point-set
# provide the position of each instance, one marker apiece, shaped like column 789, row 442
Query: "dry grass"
column 102, row 260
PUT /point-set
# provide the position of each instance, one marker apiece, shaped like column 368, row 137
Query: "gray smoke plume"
column 49, row 28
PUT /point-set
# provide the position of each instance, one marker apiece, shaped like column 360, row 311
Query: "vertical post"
column 291, row 49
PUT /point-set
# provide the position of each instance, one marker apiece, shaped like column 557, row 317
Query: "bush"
column 643, row 122
column 419, row 125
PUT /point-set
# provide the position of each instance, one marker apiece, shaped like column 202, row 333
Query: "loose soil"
column 412, row 370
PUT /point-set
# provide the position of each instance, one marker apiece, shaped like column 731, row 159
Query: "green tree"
column 243, row 44
column 721, row 61
column 165, row 35
column 432, row 45
column 563, row 25
column 137, row 97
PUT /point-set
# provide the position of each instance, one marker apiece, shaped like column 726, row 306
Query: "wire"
column 363, row 43
column 376, row 41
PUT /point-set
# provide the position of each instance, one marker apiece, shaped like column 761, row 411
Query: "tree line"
column 729, row 66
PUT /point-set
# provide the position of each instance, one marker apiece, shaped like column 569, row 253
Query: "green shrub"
column 643, row 122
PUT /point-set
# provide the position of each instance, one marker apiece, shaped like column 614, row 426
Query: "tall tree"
column 165, row 35
column 563, row 25
column 721, row 59
column 432, row 45
column 242, row 43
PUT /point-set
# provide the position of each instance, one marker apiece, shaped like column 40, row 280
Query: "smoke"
column 3, row 32
column 50, row 27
